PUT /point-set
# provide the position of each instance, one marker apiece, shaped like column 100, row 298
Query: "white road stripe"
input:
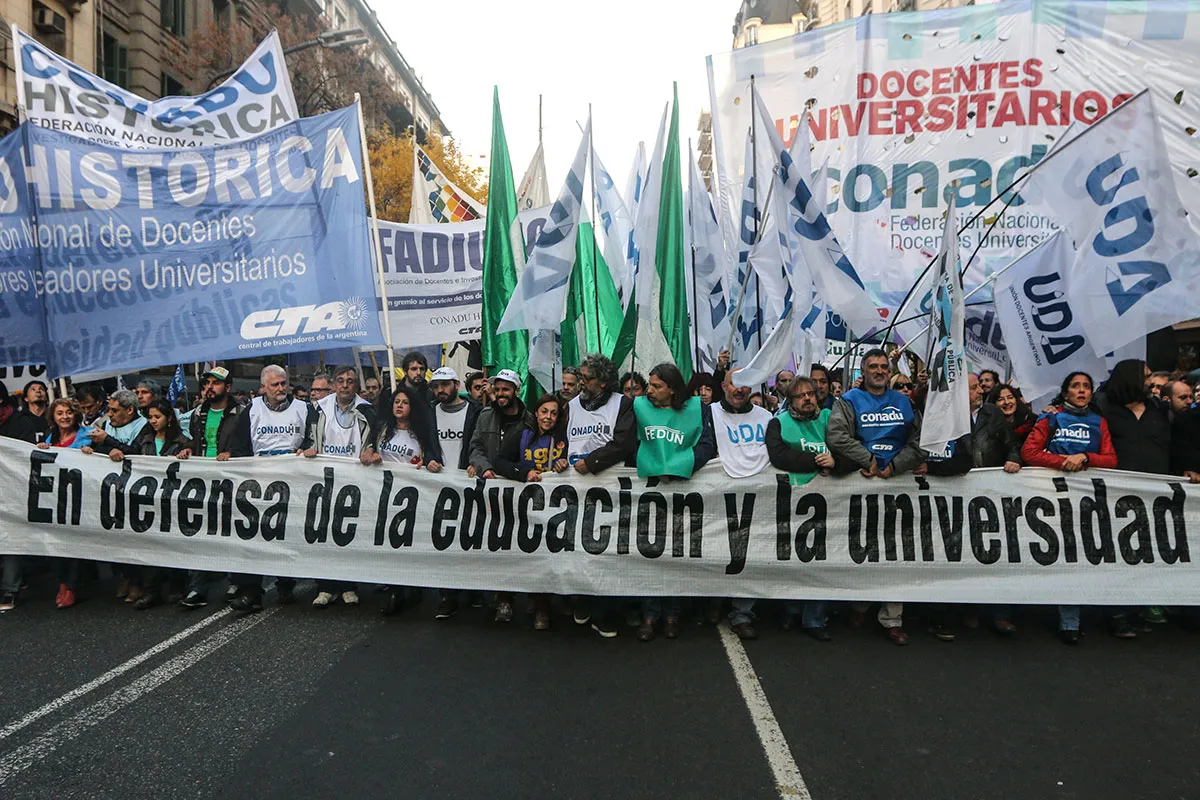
column 115, row 672
column 27, row 755
column 788, row 780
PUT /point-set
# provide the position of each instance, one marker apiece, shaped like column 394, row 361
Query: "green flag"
column 503, row 250
column 592, row 290
column 669, row 258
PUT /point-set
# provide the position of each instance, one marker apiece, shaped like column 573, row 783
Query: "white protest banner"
column 1096, row 537
column 904, row 103
column 434, row 276
column 63, row 96
column 947, row 406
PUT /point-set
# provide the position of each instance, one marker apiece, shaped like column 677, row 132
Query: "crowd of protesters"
column 805, row 425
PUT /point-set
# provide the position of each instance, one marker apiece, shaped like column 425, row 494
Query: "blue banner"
column 158, row 256
column 22, row 324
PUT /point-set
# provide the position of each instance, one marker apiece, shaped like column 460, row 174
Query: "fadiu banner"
column 173, row 256
column 1100, row 537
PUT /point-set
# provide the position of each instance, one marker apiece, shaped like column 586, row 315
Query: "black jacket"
column 144, row 444
column 957, row 464
column 785, row 457
column 27, row 427
column 1185, row 442
column 992, row 439
column 225, row 429
column 1142, row 444
column 489, row 431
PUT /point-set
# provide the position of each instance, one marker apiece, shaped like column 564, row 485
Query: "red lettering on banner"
column 891, row 85
column 867, row 84
column 1041, row 107
column 908, row 116
column 1009, row 111
column 1033, row 72
column 853, row 121
column 941, row 80
column 942, row 110
column 1009, row 72
column 879, row 121
column 918, row 90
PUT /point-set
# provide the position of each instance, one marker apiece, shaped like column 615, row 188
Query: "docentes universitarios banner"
column 433, row 277
column 904, row 104
column 1098, row 537
column 62, row 96
column 173, row 256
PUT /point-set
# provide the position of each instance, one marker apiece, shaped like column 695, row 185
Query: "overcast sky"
column 619, row 55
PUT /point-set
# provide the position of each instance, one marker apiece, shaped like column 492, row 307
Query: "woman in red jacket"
column 1071, row 438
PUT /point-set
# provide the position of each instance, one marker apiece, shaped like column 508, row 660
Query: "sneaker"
column 66, row 597
column 447, row 607
column 504, row 611
column 645, row 631
column 820, row 634
column 231, row 593
column 942, row 632
column 541, row 621
column 605, row 629
column 350, row 598
column 391, row 601
column 1154, row 615
column 245, row 604
column 581, row 610
column 671, row 629
column 322, row 600
column 286, row 595
column 1121, row 629
column 475, row 599
column 581, row 617
column 194, row 600
column 148, row 600
column 8, row 601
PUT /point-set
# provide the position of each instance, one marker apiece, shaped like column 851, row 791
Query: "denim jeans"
column 10, row 583
column 811, row 612
column 743, row 611
column 656, row 608
column 1068, row 618
column 198, row 580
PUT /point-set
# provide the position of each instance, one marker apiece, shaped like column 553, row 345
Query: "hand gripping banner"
column 1095, row 537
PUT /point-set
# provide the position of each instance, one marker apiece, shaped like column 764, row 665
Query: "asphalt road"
column 101, row 701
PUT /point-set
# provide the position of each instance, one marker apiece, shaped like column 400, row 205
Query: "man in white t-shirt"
column 343, row 423
column 741, row 430
column 456, row 417
column 276, row 424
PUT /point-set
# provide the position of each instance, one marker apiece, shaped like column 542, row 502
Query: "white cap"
column 443, row 374
column 508, row 375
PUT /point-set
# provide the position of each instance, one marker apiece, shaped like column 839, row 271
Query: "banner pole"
column 387, row 324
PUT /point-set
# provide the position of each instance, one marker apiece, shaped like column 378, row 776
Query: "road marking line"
column 115, row 672
column 45, row 744
column 788, row 780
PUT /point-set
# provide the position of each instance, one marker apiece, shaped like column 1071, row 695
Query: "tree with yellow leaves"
column 392, row 170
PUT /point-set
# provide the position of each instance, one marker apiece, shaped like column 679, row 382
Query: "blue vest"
column 881, row 422
column 1071, row 434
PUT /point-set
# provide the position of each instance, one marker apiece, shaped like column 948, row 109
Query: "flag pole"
column 758, row 315
column 692, row 241
column 387, row 324
column 595, row 264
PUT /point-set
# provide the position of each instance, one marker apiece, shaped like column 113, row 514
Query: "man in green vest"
column 675, row 438
column 796, row 444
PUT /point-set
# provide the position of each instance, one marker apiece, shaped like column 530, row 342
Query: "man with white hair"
column 276, row 424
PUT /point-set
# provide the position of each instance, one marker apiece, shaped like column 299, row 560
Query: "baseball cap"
column 443, row 374
column 220, row 373
column 508, row 375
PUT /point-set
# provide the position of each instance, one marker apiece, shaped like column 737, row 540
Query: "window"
column 115, row 64
column 751, row 35
column 171, row 87
column 222, row 11
column 174, row 16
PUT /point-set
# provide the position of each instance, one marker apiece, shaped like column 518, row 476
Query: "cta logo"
column 339, row 315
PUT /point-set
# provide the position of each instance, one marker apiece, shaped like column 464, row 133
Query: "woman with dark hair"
column 675, row 435
column 702, row 385
column 406, row 432
column 66, row 419
column 1020, row 416
column 1072, row 437
column 162, row 436
column 525, row 454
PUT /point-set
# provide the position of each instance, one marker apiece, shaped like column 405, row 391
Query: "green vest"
column 667, row 437
column 808, row 436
